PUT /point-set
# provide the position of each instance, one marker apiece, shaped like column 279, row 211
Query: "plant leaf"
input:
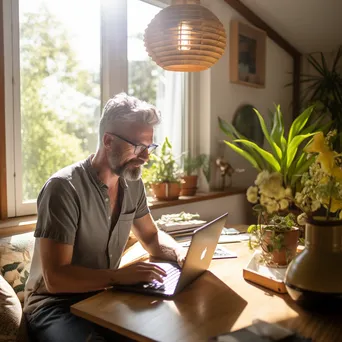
column 231, row 132
column 318, row 92
column 301, row 167
column 277, row 132
column 274, row 164
column 244, row 154
column 324, row 64
column 337, row 58
column 313, row 61
column 299, row 123
column 312, row 127
column 276, row 150
column 228, row 129
column 293, row 147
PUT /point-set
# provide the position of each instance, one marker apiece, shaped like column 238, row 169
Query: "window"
column 146, row 80
column 63, row 59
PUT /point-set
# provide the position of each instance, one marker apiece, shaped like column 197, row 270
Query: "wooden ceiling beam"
column 248, row 14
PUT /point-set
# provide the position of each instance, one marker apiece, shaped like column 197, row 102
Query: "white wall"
column 218, row 97
column 213, row 95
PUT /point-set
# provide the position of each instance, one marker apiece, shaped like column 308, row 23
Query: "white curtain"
column 170, row 101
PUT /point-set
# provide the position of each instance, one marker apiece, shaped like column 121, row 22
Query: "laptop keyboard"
column 170, row 281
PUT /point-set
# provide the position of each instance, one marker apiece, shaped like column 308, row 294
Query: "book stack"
column 180, row 224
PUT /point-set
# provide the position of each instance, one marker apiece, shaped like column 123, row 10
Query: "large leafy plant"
column 162, row 167
column 285, row 154
column 325, row 88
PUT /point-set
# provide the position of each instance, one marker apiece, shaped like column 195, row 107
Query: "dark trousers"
column 57, row 324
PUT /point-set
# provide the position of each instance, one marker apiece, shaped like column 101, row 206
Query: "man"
column 85, row 214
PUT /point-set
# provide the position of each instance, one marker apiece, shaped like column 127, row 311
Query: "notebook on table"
column 197, row 261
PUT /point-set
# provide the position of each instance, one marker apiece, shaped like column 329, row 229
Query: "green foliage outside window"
column 51, row 141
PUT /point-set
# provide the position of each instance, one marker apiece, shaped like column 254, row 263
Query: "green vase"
column 314, row 277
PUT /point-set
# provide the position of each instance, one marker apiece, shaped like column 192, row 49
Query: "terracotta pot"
column 166, row 191
column 283, row 256
column 314, row 277
column 189, row 186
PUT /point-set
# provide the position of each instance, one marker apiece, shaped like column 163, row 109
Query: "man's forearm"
column 163, row 246
column 77, row 279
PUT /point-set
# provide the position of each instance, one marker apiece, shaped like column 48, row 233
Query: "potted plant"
column 285, row 154
column 321, row 202
column 163, row 175
column 324, row 88
column 280, row 166
column 191, row 167
column 275, row 232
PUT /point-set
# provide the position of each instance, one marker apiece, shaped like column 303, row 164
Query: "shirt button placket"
column 107, row 200
column 110, row 260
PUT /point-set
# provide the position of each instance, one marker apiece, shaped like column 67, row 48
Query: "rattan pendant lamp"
column 185, row 36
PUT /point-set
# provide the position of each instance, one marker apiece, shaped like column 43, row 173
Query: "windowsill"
column 25, row 224
column 17, row 225
column 201, row 196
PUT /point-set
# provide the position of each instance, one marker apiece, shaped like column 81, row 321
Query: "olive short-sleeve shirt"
column 74, row 208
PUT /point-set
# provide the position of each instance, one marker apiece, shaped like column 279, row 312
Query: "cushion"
column 10, row 312
column 15, row 261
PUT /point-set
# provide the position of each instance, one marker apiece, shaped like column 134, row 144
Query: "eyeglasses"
column 138, row 149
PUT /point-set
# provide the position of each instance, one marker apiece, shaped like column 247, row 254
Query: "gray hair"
column 123, row 107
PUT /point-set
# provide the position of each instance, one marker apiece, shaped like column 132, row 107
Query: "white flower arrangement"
column 270, row 193
column 272, row 204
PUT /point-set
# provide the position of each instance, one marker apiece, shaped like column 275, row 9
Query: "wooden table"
column 219, row 301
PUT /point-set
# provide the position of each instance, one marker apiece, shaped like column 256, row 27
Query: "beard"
column 130, row 170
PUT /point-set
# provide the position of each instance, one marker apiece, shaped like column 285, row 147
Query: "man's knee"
column 59, row 325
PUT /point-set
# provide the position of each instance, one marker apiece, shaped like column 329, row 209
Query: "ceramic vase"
column 314, row 277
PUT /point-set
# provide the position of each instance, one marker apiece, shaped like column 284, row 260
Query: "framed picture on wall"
column 247, row 55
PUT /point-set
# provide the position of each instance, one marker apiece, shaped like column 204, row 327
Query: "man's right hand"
column 140, row 272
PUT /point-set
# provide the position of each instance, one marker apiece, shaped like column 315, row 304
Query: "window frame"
column 114, row 79
column 8, row 39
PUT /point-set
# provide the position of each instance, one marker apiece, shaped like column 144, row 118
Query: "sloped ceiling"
column 308, row 25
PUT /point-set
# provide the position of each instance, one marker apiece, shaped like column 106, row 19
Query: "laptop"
column 197, row 261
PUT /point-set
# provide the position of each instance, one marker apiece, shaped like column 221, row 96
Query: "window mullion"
column 114, row 48
column 192, row 109
column 9, row 22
